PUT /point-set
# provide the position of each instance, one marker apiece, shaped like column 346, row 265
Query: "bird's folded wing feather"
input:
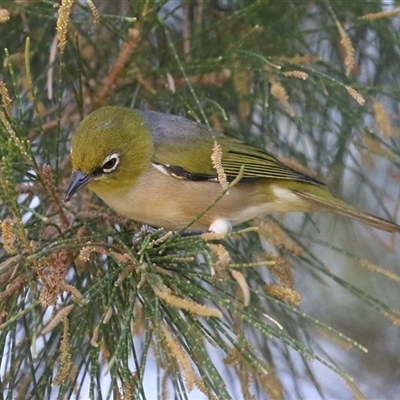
column 185, row 147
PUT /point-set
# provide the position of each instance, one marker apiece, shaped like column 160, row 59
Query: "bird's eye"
column 110, row 163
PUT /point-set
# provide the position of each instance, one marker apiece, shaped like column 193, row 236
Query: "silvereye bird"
column 156, row 169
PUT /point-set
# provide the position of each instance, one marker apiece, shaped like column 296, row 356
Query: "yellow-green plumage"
column 156, row 169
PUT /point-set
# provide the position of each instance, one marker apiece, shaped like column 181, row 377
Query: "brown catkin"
column 4, row 15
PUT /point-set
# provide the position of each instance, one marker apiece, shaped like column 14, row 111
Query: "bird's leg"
column 149, row 229
column 193, row 233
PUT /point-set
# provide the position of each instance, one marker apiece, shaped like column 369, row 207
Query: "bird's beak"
column 78, row 181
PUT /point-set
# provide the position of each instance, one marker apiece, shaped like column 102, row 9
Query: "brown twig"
column 127, row 49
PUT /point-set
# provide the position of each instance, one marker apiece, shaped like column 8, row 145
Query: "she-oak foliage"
column 89, row 302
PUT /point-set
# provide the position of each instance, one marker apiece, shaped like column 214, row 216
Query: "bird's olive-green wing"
column 258, row 163
column 184, row 149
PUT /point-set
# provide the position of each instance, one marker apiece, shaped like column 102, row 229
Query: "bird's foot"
column 147, row 229
column 192, row 233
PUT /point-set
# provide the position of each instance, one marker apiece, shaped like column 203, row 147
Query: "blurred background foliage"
column 91, row 307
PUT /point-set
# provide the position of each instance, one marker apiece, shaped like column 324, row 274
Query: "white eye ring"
column 110, row 163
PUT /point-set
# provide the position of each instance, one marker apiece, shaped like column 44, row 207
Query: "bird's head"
column 110, row 149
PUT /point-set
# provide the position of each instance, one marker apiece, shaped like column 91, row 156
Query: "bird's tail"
column 335, row 205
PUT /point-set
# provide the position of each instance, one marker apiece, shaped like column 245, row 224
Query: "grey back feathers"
column 169, row 129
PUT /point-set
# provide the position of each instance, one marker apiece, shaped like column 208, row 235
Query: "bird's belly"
column 164, row 201
column 167, row 202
